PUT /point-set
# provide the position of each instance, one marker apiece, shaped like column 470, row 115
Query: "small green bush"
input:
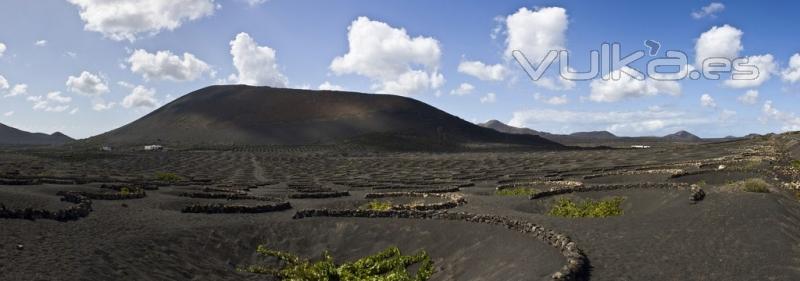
column 124, row 191
column 376, row 205
column 387, row 265
column 168, row 177
column 756, row 185
column 565, row 207
column 752, row 164
column 796, row 164
column 517, row 191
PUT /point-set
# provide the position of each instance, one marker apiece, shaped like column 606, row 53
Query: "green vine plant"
column 565, row 207
column 387, row 265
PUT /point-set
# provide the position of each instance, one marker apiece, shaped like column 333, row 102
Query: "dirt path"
column 258, row 170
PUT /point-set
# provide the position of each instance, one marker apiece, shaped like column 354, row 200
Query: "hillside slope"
column 238, row 114
column 13, row 136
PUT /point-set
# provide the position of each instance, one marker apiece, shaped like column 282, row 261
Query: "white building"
column 153, row 147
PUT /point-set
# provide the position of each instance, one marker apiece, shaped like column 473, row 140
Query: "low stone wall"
column 534, row 184
column 81, row 210
column 636, row 172
column 135, row 194
column 227, row 196
column 240, row 209
column 453, row 200
column 318, row 195
column 606, row 187
column 121, row 186
column 577, row 263
column 18, row 182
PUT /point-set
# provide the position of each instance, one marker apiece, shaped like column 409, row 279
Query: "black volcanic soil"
column 730, row 235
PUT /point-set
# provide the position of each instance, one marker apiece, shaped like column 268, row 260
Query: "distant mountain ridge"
column 239, row 114
column 13, row 136
column 680, row 136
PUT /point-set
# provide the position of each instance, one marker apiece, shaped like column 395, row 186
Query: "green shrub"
column 517, row 191
column 565, row 207
column 796, row 164
column 168, row 177
column 756, row 185
column 124, row 191
column 376, row 205
column 752, row 164
column 387, row 265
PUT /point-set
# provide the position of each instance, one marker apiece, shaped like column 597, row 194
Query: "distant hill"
column 594, row 135
column 13, row 136
column 597, row 136
column 682, row 136
column 502, row 127
column 238, row 114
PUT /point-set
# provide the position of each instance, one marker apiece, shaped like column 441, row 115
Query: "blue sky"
column 295, row 43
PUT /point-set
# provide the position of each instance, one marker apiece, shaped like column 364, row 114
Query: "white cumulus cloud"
column 718, row 42
column 483, row 71
column 2, row 49
column 87, row 84
column 766, row 67
column 610, row 90
column 256, row 65
column 749, row 97
column 554, row 100
column 3, row 83
column 489, row 98
column 17, row 90
column 140, row 97
column 463, row 89
column 394, row 61
column 536, row 32
column 163, row 65
column 128, row 19
column 101, row 105
column 789, row 121
column 52, row 102
column 709, row 11
column 792, row 72
column 327, row 86
column 707, row 101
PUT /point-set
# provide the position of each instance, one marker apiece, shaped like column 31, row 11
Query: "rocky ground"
column 200, row 214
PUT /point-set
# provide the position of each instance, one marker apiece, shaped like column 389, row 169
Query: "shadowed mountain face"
column 682, row 136
column 594, row 135
column 502, row 127
column 12, row 136
column 238, row 114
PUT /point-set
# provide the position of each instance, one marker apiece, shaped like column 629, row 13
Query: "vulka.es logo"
column 609, row 64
